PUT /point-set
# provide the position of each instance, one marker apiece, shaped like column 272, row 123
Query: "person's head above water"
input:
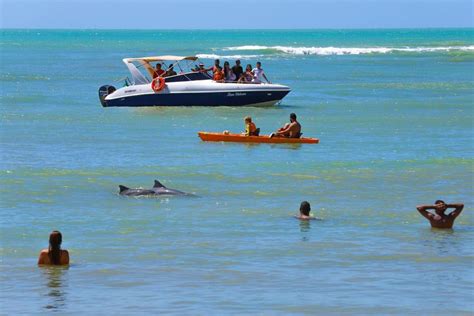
column 305, row 208
column 55, row 240
column 158, row 66
column 441, row 207
column 292, row 117
column 216, row 62
column 248, row 119
column 259, row 64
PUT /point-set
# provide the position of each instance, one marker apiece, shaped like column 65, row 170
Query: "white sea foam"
column 330, row 50
column 215, row 56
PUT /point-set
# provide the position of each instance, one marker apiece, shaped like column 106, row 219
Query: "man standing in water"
column 440, row 219
column 305, row 209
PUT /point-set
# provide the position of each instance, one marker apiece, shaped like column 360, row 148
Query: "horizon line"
column 243, row 29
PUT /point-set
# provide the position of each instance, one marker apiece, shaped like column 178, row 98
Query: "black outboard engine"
column 105, row 91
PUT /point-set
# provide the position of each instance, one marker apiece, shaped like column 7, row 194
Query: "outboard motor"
column 105, row 91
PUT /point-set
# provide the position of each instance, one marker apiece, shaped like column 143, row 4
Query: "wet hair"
column 439, row 201
column 247, row 119
column 248, row 66
column 293, row 116
column 305, row 208
column 54, row 250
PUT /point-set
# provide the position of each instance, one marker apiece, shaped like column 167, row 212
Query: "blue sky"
column 235, row 14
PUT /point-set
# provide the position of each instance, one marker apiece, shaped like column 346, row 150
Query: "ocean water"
column 394, row 113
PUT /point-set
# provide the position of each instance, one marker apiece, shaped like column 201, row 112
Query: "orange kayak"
column 221, row 137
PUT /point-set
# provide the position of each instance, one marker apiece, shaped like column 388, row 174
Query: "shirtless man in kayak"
column 290, row 130
column 440, row 219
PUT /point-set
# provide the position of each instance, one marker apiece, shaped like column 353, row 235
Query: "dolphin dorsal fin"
column 123, row 188
column 158, row 184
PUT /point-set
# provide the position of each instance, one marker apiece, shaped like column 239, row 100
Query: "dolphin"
column 158, row 189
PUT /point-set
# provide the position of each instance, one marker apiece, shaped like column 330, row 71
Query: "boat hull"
column 195, row 93
column 238, row 138
column 257, row 98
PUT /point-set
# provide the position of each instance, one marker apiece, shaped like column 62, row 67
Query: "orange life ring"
column 158, row 84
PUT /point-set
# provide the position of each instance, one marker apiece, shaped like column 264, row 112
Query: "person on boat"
column 439, row 219
column 218, row 75
column 216, row 66
column 258, row 74
column 201, row 68
column 228, row 73
column 237, row 70
column 54, row 255
column 305, row 209
column 247, row 76
column 290, row 130
column 158, row 71
column 170, row 71
column 250, row 128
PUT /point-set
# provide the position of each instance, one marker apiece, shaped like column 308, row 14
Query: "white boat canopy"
column 161, row 58
column 138, row 77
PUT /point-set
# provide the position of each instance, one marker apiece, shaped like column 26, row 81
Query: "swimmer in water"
column 439, row 219
column 54, row 255
column 305, row 208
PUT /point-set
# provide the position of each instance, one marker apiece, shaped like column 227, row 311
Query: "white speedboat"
column 187, row 88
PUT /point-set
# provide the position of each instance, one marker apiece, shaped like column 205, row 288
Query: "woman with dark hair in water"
column 54, row 255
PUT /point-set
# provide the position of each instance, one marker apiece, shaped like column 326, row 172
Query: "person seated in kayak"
column 305, row 208
column 158, row 71
column 218, row 74
column 170, row 71
column 250, row 128
column 440, row 219
column 247, row 76
column 289, row 130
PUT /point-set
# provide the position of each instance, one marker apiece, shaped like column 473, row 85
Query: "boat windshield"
column 172, row 68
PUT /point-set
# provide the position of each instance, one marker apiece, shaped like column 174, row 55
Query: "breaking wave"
column 214, row 56
column 330, row 50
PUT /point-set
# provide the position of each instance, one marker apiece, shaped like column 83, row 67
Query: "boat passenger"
column 229, row 75
column 247, row 76
column 170, row 71
column 158, row 71
column 258, row 74
column 218, row 75
column 237, row 69
column 289, row 130
column 216, row 66
column 440, row 219
column 250, row 128
column 54, row 255
column 201, row 68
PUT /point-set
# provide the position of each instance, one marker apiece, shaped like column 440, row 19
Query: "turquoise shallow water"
column 393, row 110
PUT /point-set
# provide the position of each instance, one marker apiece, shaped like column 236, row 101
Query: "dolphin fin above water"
column 158, row 184
column 158, row 189
column 123, row 188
